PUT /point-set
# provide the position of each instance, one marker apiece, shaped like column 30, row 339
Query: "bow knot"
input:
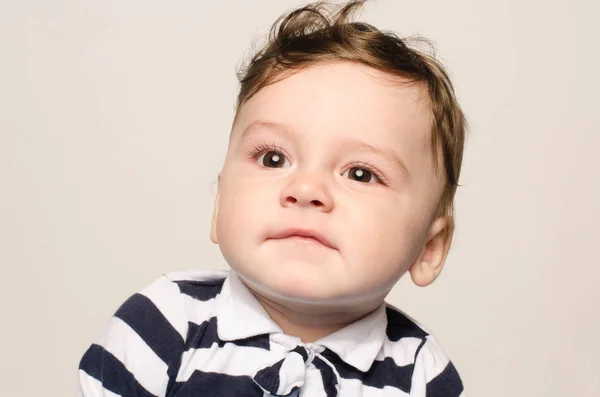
column 285, row 376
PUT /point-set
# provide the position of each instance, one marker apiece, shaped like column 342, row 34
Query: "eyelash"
column 259, row 149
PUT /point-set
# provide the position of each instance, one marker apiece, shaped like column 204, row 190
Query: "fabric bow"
column 287, row 375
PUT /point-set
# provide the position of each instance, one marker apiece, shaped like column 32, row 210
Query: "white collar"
column 241, row 316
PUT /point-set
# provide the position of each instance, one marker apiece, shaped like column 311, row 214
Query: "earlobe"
column 430, row 262
column 213, row 225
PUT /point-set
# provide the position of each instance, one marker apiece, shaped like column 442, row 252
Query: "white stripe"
column 230, row 359
column 402, row 352
column 355, row 388
column 313, row 384
column 430, row 362
column 434, row 358
column 130, row 349
column 198, row 311
column 91, row 387
column 166, row 297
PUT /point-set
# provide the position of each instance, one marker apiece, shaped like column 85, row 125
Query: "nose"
column 307, row 190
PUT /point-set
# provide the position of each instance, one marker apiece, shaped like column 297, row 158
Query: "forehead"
column 345, row 101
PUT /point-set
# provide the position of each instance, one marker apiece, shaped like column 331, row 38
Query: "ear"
column 213, row 225
column 431, row 260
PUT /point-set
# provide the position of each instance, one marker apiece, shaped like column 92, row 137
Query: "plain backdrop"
column 114, row 120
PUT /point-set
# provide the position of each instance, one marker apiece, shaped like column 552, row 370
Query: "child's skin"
column 317, row 130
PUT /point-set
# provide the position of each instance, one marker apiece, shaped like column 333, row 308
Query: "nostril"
column 291, row 199
column 316, row 203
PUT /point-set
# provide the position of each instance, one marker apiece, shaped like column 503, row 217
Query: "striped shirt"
column 203, row 334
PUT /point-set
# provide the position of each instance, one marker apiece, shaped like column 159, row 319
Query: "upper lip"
column 304, row 233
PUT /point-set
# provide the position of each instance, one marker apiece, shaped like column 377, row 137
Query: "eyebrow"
column 255, row 126
column 387, row 153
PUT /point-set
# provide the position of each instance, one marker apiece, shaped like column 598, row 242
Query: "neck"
column 307, row 323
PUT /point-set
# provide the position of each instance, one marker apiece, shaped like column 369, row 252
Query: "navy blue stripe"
column 203, row 336
column 301, row 350
column 210, row 384
column 268, row 378
column 112, row 374
column 150, row 324
column 201, row 290
column 259, row 341
column 399, row 326
column 381, row 374
column 446, row 384
column 328, row 377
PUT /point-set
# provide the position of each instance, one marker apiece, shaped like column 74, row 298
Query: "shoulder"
column 139, row 352
column 433, row 373
column 142, row 345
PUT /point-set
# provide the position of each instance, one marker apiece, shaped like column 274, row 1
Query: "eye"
column 273, row 159
column 361, row 174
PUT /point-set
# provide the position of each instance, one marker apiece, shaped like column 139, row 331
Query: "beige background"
column 114, row 117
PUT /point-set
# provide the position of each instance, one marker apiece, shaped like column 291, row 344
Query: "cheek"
column 235, row 227
column 241, row 208
column 384, row 239
column 234, row 214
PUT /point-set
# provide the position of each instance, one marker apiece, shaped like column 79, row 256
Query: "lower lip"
column 303, row 239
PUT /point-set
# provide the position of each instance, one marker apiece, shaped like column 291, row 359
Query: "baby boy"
column 340, row 174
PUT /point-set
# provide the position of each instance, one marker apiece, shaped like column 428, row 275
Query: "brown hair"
column 321, row 32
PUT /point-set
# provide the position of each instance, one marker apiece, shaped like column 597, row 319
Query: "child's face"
column 338, row 150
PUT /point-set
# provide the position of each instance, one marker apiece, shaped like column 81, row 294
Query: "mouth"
column 307, row 235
